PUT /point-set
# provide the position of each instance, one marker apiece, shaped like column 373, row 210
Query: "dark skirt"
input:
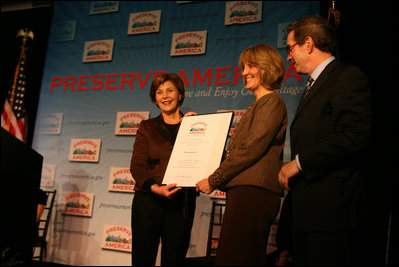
column 250, row 212
column 156, row 218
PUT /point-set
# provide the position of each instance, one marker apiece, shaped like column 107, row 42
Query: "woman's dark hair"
column 161, row 79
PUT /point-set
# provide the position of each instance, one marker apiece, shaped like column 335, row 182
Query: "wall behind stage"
column 80, row 100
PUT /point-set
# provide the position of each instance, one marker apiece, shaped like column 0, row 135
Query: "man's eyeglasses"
column 289, row 48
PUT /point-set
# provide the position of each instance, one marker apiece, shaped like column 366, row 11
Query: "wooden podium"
column 21, row 169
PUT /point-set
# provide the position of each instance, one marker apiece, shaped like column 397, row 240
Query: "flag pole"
column 334, row 15
column 25, row 34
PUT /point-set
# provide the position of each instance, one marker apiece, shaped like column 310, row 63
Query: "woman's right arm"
column 139, row 161
column 139, row 167
column 257, row 136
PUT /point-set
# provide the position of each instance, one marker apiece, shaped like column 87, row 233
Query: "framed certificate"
column 198, row 148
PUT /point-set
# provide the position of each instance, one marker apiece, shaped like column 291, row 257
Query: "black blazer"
column 331, row 134
column 151, row 152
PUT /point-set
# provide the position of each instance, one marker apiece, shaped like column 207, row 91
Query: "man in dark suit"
column 330, row 137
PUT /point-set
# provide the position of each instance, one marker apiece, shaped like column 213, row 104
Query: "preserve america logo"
column 217, row 194
column 144, row 22
column 117, row 237
column 198, row 128
column 86, row 150
column 127, row 123
column 121, row 180
column 241, row 12
column 48, row 172
column 99, row 7
column 78, row 203
column 100, row 50
column 188, row 43
column 50, row 123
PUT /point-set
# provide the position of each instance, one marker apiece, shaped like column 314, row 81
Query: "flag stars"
column 14, row 107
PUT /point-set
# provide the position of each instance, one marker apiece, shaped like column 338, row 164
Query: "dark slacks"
column 335, row 248
column 156, row 218
column 249, row 214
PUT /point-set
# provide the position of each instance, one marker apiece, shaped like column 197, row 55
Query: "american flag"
column 13, row 114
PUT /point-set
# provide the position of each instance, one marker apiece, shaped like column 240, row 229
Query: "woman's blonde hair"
column 268, row 61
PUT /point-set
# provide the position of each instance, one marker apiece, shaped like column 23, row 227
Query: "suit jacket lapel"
column 315, row 87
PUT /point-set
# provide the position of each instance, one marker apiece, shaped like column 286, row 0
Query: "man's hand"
column 288, row 171
column 203, row 186
column 167, row 191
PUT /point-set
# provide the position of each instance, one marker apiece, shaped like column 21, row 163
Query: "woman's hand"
column 203, row 186
column 167, row 191
column 190, row 113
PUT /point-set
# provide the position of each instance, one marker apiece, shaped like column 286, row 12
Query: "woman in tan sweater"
column 249, row 172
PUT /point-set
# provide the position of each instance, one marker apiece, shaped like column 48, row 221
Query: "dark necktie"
column 308, row 85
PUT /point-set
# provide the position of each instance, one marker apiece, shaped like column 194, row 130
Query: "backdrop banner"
column 101, row 59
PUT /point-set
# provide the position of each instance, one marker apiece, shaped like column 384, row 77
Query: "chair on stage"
column 40, row 242
column 215, row 224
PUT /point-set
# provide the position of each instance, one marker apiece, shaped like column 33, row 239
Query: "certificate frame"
column 198, row 148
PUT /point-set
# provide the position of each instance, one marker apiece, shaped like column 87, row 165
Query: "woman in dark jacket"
column 160, row 212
